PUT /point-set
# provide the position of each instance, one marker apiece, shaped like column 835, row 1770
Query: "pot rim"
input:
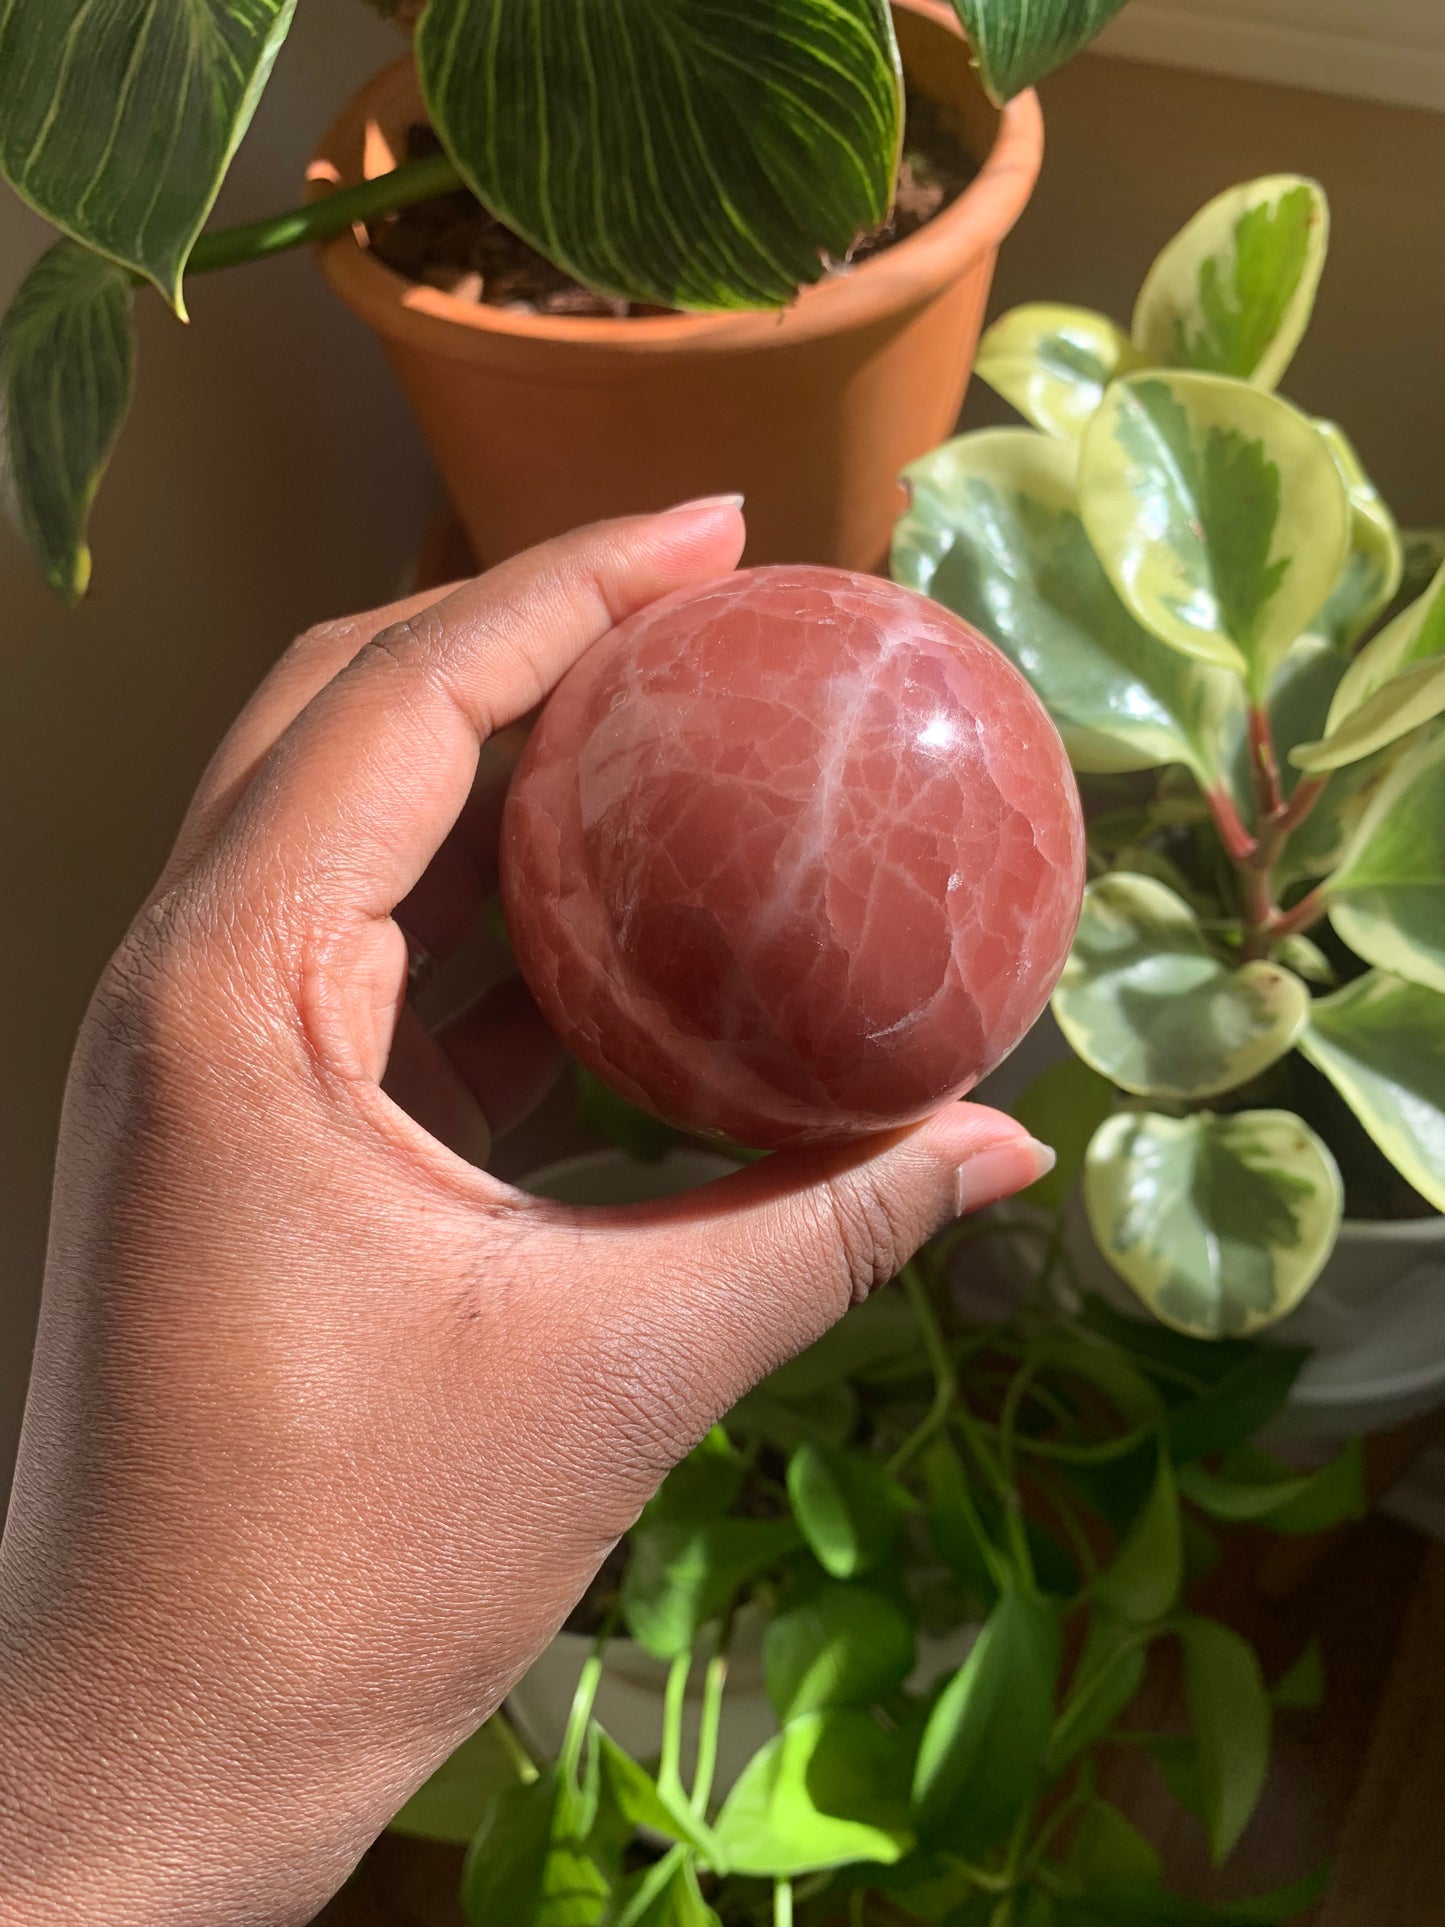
column 1404, row 1231
column 903, row 275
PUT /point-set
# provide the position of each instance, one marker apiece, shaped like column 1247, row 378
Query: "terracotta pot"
column 540, row 422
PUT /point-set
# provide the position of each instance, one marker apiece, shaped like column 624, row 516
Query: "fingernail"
column 705, row 502
column 1001, row 1170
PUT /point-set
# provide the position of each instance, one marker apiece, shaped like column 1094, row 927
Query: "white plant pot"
column 629, row 1698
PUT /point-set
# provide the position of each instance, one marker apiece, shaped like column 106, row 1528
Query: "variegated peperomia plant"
column 1200, row 580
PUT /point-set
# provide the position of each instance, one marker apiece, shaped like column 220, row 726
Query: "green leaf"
column 1109, row 1851
column 118, row 118
column 670, row 1897
column 1108, row 1676
column 872, row 1337
column 703, row 1485
column 1394, row 684
column 1219, row 514
column 1252, row 1489
column 1376, row 558
column 1146, row 1002
column 1219, row 1224
column 1015, row 47
column 829, row 1413
column 1063, row 1106
column 846, row 1505
column 1144, row 1579
column 684, row 1573
column 841, row 1646
column 641, row 1800
column 1381, row 1043
column 67, row 371
column 982, row 1751
column 672, row 151
column 1255, row 1387
column 1230, row 1712
column 452, row 1804
column 829, row 1790
column 1301, row 1687
column 994, row 533
column 502, row 1878
column 575, row 1891
column 1054, row 363
column 1304, row 957
column 1233, row 291
column 957, row 1532
column 1387, row 899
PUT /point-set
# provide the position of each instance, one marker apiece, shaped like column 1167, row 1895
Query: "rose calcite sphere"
column 792, row 857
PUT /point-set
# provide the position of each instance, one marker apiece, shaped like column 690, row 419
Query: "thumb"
column 694, row 1299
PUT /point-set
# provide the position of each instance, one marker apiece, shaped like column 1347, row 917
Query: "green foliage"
column 1017, row 46
column 847, row 1507
column 1230, row 1708
column 1199, row 579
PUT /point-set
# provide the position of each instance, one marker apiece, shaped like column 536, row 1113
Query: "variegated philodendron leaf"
column 1219, row 1224
column 1381, row 1043
column 67, row 368
column 1233, row 291
column 1395, row 683
column 1375, row 561
column 1219, row 514
column 1144, row 999
column 118, row 118
column 1016, row 46
column 1387, row 899
column 672, row 151
column 993, row 532
column 1054, row 363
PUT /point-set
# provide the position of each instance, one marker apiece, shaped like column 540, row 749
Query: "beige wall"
column 270, row 476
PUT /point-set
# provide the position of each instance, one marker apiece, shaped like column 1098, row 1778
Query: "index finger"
column 358, row 793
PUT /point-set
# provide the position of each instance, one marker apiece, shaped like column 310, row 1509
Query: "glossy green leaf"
column 1109, row 1674
column 1387, row 899
column 639, row 1798
column 703, row 1485
column 118, row 118
column 1232, row 293
column 1219, row 1224
column 67, row 370
column 1375, row 560
column 1015, row 47
column 1219, row 514
column 1252, row 1489
column 683, row 1573
column 994, row 533
column 982, row 1751
column 840, row 1646
column 955, row 1525
column 1147, row 1003
column 1301, row 1687
column 829, row 1790
column 1054, row 363
column 452, row 1804
column 575, row 1891
column 672, row 151
column 1381, row 1043
column 846, row 1505
column 502, row 1878
column 1315, row 848
column 1143, row 1580
column 1304, row 957
column 1230, row 1711
column 1394, row 684
column 1253, row 1389
column 1063, row 1107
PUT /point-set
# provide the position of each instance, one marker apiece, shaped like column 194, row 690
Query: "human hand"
column 329, row 1429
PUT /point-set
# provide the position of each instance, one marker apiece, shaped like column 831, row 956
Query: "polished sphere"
column 795, row 856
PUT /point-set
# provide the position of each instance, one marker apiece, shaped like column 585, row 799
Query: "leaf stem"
column 782, row 1903
column 1264, row 763
column 328, row 215
column 710, row 1722
column 1239, row 845
column 1304, row 916
column 669, row 1766
column 945, row 1378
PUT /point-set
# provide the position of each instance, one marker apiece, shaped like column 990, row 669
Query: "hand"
column 329, row 1429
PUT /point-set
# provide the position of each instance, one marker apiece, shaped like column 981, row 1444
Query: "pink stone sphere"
column 792, row 857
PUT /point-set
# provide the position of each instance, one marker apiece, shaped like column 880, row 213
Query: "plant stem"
column 783, row 1903
column 581, row 1712
column 669, row 1766
column 945, row 1379
column 326, row 216
column 1304, row 916
column 710, row 1721
column 1263, row 763
column 1307, row 792
column 1238, row 843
